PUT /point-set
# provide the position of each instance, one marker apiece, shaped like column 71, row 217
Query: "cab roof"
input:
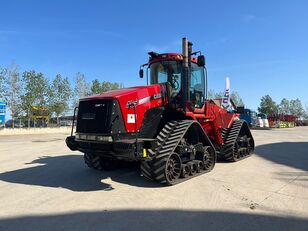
column 155, row 57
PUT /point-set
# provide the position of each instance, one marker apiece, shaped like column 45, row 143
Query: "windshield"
column 167, row 72
column 171, row 72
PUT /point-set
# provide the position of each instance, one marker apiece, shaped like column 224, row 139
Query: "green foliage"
column 238, row 101
column 306, row 112
column 268, row 105
column 284, row 106
column 12, row 91
column 35, row 92
column 97, row 87
column 81, row 88
column 296, row 108
column 59, row 95
column 2, row 83
column 108, row 86
column 211, row 94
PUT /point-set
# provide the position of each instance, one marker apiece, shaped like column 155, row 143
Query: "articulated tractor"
column 169, row 126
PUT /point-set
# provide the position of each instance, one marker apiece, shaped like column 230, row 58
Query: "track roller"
column 185, row 171
column 194, row 168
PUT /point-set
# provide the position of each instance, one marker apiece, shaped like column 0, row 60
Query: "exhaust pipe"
column 186, row 52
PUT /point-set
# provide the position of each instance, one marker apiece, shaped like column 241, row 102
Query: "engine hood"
column 146, row 97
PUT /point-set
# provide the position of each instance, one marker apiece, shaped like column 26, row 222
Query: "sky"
column 260, row 45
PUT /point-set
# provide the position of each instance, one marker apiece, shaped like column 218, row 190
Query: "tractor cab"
column 186, row 83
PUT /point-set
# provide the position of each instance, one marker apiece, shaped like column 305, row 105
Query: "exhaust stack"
column 186, row 52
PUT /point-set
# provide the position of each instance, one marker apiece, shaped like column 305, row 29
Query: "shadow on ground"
column 70, row 172
column 154, row 220
column 293, row 154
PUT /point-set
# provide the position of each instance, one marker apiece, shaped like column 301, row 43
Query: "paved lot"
column 45, row 186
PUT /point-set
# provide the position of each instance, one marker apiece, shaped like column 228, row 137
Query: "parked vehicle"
column 17, row 124
column 168, row 126
column 249, row 116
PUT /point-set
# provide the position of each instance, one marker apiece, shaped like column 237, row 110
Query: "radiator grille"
column 94, row 116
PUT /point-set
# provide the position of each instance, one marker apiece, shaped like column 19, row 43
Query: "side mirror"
column 141, row 73
column 201, row 61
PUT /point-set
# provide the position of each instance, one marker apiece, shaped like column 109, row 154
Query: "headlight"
column 94, row 137
column 91, row 137
column 104, row 138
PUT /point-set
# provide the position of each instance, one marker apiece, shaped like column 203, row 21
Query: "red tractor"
column 168, row 126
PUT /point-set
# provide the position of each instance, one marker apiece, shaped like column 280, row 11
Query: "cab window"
column 197, row 86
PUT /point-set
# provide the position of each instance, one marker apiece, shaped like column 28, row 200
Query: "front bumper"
column 128, row 149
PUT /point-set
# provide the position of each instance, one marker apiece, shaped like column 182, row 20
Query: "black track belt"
column 230, row 151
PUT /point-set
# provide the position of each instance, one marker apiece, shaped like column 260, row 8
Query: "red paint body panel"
column 140, row 94
column 213, row 119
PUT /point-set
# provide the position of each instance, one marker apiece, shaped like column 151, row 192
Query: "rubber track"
column 228, row 152
column 168, row 140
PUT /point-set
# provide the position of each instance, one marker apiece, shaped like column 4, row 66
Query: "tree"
column 12, row 91
column 108, row 86
column 211, row 94
column 296, row 108
column 35, row 92
column 268, row 105
column 60, row 93
column 2, row 83
column 306, row 112
column 96, row 87
column 81, row 88
column 238, row 101
column 284, row 106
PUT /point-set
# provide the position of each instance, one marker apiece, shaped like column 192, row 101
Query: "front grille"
column 94, row 116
